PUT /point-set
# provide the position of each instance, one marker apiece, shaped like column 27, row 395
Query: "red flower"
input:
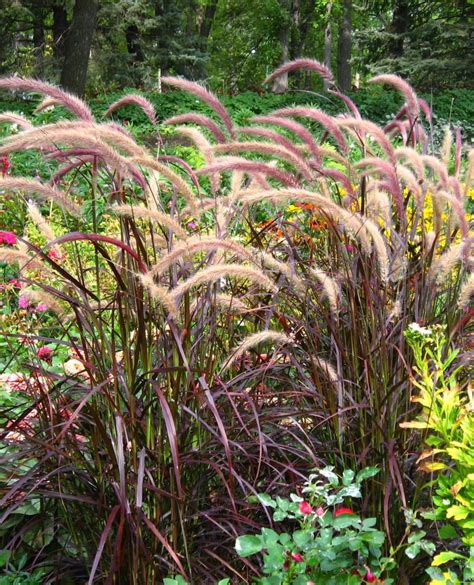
column 305, row 508
column 340, row 511
column 297, row 557
column 370, row 577
column 8, row 238
column 5, row 165
column 45, row 353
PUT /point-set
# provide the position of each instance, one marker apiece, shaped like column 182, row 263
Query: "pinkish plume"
column 397, row 126
column 232, row 163
column 349, row 103
column 365, row 126
column 200, row 120
column 204, row 94
column 310, row 64
column 425, row 108
column 133, row 99
column 457, row 153
column 271, row 135
column 341, row 177
column 184, row 164
column 69, row 101
column 14, row 118
column 413, row 107
column 301, row 131
column 328, row 122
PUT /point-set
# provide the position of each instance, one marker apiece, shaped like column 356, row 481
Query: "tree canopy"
column 233, row 44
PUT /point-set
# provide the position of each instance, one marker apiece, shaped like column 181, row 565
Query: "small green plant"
column 332, row 544
column 447, row 418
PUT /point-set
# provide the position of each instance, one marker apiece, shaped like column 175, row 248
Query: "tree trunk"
column 78, row 46
column 328, row 41
column 344, row 49
column 132, row 36
column 60, row 25
column 399, row 27
column 38, row 36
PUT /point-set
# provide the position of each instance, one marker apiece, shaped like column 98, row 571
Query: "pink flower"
column 45, row 353
column 297, row 557
column 340, row 511
column 305, row 508
column 23, row 302
column 15, row 283
column 55, row 255
column 319, row 511
column 41, row 308
column 8, row 238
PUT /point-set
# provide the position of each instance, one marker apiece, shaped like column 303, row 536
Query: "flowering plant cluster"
column 332, row 543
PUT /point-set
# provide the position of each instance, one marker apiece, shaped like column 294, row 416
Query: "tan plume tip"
column 158, row 293
column 213, row 273
column 135, row 100
column 193, row 245
column 466, row 292
column 45, row 298
column 179, row 183
column 229, row 303
column 380, row 248
column 330, row 287
column 253, row 340
column 326, row 367
column 19, row 257
column 40, row 221
column 151, row 214
column 45, row 192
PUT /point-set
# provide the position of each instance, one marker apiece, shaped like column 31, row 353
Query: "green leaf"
column 267, row 500
column 447, row 532
column 366, row 473
column 248, row 545
column 445, row 557
column 413, row 551
column 348, row 477
column 329, row 474
column 4, row 556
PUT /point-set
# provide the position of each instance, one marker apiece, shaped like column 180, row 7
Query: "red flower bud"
column 340, row 511
column 305, row 508
column 297, row 557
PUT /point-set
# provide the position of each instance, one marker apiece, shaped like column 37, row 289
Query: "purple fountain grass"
column 271, row 135
column 269, row 148
column 200, row 120
column 15, row 118
column 248, row 166
column 328, row 122
column 69, row 101
column 201, row 92
column 301, row 131
column 309, row 64
column 412, row 104
column 134, row 99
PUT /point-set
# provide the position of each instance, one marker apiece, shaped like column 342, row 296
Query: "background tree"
column 78, row 45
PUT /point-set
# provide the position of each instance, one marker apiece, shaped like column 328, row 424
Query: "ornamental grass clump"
column 232, row 326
